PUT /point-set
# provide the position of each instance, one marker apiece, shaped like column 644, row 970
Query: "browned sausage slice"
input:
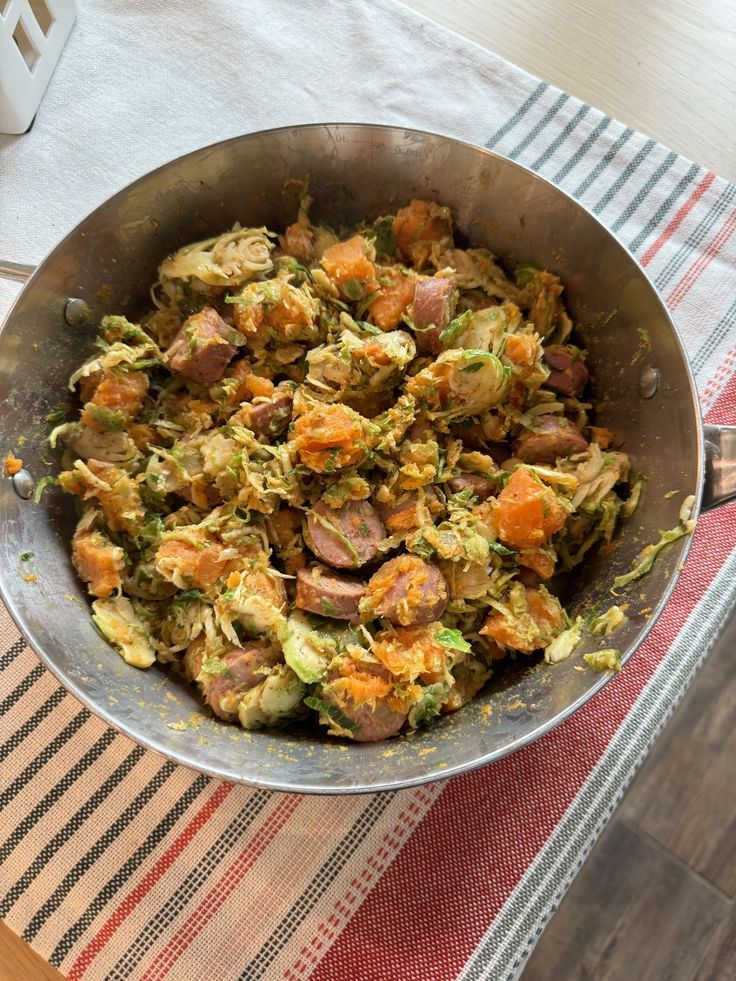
column 555, row 437
column 420, row 431
column 373, row 720
column 345, row 537
column 270, row 418
column 480, row 487
column 199, row 351
column 433, row 303
column 373, row 723
column 407, row 591
column 246, row 667
column 320, row 590
column 569, row 375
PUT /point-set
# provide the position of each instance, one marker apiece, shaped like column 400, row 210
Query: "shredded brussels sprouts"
column 331, row 477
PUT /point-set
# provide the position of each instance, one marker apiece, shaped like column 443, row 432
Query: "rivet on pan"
column 76, row 312
column 649, row 382
column 23, row 484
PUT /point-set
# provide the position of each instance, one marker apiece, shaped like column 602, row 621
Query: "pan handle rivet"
column 76, row 312
column 23, row 484
column 649, row 382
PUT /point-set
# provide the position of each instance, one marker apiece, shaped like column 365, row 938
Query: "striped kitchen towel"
column 117, row 864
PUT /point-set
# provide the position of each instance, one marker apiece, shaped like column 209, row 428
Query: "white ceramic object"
column 32, row 35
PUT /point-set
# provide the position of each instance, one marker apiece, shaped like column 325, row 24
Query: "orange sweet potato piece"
column 526, row 634
column 409, row 653
column 350, row 263
column 603, row 437
column 257, row 385
column 118, row 391
column 417, row 227
column 200, row 567
column 363, row 687
column 142, row 435
column 521, row 349
column 329, row 437
column 98, row 562
column 374, row 352
column 12, row 465
column 527, row 513
column 387, row 308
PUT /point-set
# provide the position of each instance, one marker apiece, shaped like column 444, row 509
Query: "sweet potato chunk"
column 396, row 293
column 527, row 513
column 418, row 227
column 411, row 653
column 98, row 562
column 350, row 267
column 186, row 565
column 530, row 630
column 329, row 437
column 117, row 392
column 521, row 349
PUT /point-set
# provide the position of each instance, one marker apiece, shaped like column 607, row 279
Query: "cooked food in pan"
column 335, row 475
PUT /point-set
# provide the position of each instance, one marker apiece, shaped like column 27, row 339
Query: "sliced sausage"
column 345, row 537
column 320, row 590
column 373, row 723
column 434, row 300
column 246, row 667
column 480, row 487
column 373, row 720
column 299, row 242
column 407, row 591
column 269, row 418
column 420, row 431
column 555, row 437
column 199, row 351
column 569, row 375
column 473, row 438
column 528, row 576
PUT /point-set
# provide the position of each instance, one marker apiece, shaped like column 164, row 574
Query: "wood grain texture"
column 685, row 794
column 665, row 67
column 19, row 963
column 665, row 865
column 720, row 959
column 633, row 913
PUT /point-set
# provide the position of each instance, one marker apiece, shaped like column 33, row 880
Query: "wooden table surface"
column 665, row 67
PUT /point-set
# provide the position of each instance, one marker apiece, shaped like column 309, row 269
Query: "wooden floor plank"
column 685, row 794
column 720, row 960
column 635, row 912
column 19, row 963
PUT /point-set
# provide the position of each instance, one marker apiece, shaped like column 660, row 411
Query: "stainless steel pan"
column 641, row 380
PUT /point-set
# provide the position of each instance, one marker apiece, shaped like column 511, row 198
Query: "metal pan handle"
column 720, row 466
column 15, row 270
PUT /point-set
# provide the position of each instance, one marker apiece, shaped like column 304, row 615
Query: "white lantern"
column 32, row 35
